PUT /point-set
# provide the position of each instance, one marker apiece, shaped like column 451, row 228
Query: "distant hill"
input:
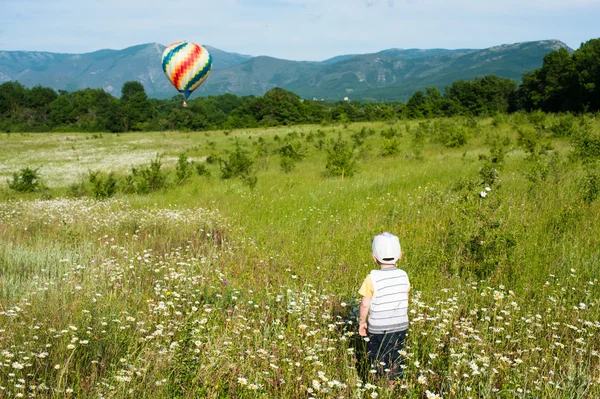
column 392, row 74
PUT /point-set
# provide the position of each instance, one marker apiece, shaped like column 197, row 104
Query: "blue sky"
column 293, row 29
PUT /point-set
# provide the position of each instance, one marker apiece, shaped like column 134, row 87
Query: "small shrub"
column 27, row 180
column 527, row 139
column 564, row 127
column 359, row 137
column 250, row 180
column 102, row 186
column 489, row 247
column 146, row 179
column 261, row 147
column 589, row 186
column 538, row 119
column 239, row 164
column 287, row 164
column 456, row 137
column 540, row 162
column 78, row 190
column 213, row 159
column 568, row 218
column 586, row 146
column 488, row 173
column 202, row 170
column 340, row 159
column 291, row 136
column 472, row 123
column 478, row 238
column 450, row 134
column 293, row 150
column 498, row 120
column 390, row 133
column 184, row 169
column 390, row 147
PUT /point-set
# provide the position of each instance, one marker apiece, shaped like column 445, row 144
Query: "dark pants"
column 385, row 348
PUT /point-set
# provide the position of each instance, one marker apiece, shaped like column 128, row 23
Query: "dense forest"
column 565, row 83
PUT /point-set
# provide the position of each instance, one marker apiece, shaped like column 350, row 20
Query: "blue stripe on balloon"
column 171, row 54
column 186, row 93
column 201, row 73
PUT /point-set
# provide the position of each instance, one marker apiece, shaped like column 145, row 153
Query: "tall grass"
column 213, row 289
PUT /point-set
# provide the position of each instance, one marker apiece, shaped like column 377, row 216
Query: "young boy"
column 385, row 302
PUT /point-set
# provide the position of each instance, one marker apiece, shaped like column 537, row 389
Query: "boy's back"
column 385, row 303
column 389, row 303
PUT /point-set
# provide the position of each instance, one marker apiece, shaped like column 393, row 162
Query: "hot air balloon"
column 187, row 65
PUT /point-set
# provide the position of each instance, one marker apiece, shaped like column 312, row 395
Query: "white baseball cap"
column 386, row 248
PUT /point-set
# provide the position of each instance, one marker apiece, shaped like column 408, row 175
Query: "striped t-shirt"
column 388, row 289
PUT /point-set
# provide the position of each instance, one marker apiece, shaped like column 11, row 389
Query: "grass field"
column 211, row 288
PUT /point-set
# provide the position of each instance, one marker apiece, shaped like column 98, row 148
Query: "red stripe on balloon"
column 186, row 64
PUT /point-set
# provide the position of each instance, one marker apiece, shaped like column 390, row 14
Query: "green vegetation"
column 26, row 180
column 144, row 280
column 565, row 83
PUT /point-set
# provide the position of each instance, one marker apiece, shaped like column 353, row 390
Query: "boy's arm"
column 365, row 304
column 366, row 290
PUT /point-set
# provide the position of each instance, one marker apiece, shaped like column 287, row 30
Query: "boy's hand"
column 362, row 329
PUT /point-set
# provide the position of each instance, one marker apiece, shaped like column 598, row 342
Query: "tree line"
column 565, row 83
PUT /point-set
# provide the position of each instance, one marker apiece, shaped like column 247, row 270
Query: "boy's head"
column 386, row 248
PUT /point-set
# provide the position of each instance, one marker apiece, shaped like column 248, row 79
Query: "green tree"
column 135, row 108
column 586, row 61
column 12, row 96
column 483, row 96
column 62, row 111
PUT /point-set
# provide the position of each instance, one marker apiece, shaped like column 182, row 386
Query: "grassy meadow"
column 221, row 288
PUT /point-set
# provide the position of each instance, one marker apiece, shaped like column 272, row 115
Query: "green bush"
column 538, row 119
column 589, row 186
column 102, row 186
column 527, row 139
column 359, row 137
column 586, row 145
column 291, row 152
column 213, row 158
column 450, row 134
column 239, row 164
column 479, row 241
column 287, row 164
column 564, row 127
column 293, row 149
column 341, row 160
column 147, row 178
column 539, row 163
column 78, row 190
column 261, row 147
column 488, row 173
column 184, row 169
column 390, row 147
column 390, row 133
column 27, row 180
column 202, row 170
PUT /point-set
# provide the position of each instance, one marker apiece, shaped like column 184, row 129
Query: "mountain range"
column 391, row 75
